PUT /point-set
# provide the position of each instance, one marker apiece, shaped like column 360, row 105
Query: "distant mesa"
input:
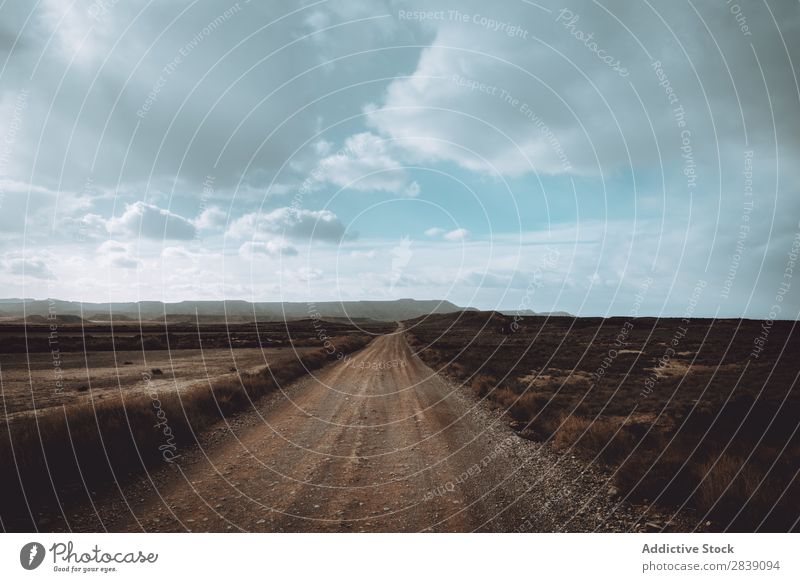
column 37, row 311
column 42, row 311
column 52, row 318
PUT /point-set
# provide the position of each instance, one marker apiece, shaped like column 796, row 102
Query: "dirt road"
column 378, row 443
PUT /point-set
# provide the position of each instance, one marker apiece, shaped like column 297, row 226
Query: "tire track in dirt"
column 378, row 442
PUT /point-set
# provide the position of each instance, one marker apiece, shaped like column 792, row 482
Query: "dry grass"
column 71, row 449
column 712, row 436
column 483, row 384
column 729, row 476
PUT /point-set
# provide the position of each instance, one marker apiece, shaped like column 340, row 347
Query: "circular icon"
column 31, row 555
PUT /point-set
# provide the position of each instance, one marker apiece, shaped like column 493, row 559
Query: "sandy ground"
column 32, row 380
column 379, row 443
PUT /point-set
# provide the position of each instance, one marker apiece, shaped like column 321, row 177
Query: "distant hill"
column 14, row 300
column 43, row 319
column 231, row 310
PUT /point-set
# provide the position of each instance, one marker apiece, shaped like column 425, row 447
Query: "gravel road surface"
column 376, row 443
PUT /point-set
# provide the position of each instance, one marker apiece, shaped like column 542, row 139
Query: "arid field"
column 700, row 414
column 469, row 421
column 75, row 418
column 41, row 381
column 70, row 363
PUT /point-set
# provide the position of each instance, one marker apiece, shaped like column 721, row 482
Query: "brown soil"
column 376, row 443
column 32, row 382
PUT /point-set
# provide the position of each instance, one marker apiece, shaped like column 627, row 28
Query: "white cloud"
column 451, row 235
column 149, row 221
column 18, row 187
column 490, row 102
column 321, row 225
column 35, row 208
column 273, row 248
column 303, row 274
column 317, row 20
column 366, row 163
column 91, row 226
column 76, row 32
column 117, row 254
column 178, row 252
column 211, row 218
column 323, row 147
column 29, row 266
column 457, row 234
column 434, row 118
column 412, row 190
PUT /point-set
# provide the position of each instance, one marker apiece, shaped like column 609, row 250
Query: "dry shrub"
column 669, row 462
column 569, row 432
column 456, row 370
column 720, row 485
column 723, row 480
column 607, row 438
column 504, row 397
column 741, row 493
column 483, row 384
column 528, row 406
column 523, row 408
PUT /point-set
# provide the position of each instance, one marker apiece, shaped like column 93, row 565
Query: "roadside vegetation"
column 69, row 452
column 681, row 416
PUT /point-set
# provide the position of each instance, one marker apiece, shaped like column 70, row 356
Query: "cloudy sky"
column 601, row 158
